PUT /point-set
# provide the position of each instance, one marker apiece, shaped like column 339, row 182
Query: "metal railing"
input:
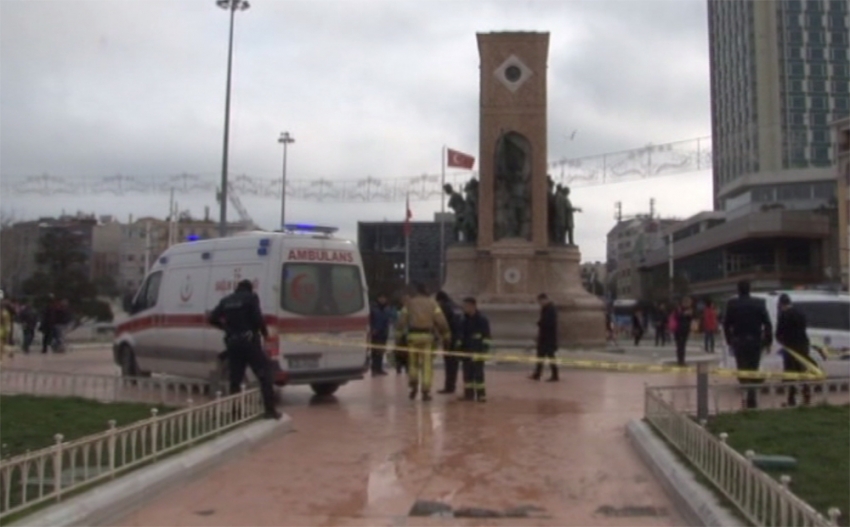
column 760, row 498
column 106, row 388
column 52, row 473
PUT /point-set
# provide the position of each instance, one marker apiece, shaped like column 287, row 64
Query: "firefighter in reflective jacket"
column 475, row 340
column 422, row 317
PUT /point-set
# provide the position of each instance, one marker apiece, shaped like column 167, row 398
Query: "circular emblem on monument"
column 512, row 275
column 513, row 73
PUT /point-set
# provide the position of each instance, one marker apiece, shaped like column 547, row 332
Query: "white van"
column 310, row 283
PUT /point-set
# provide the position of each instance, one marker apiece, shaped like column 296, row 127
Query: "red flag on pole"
column 457, row 159
column 407, row 216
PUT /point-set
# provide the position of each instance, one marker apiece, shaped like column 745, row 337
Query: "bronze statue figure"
column 458, row 205
column 551, row 219
column 512, row 189
column 568, row 214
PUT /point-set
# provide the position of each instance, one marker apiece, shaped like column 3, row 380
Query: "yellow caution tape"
column 813, row 372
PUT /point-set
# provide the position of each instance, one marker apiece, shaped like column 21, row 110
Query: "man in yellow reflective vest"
column 422, row 318
column 475, row 340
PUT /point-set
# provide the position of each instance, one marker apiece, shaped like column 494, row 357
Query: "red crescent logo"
column 301, row 291
column 186, row 290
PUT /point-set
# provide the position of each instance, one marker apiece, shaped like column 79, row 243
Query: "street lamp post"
column 286, row 139
column 232, row 6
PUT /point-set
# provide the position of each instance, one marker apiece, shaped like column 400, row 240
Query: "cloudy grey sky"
column 366, row 87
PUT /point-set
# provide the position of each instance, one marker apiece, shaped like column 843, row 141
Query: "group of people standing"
column 678, row 323
column 422, row 325
column 52, row 322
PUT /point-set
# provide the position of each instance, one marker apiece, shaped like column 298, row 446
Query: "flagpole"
column 407, row 241
column 442, row 216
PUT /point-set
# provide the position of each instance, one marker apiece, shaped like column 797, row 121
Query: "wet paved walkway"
column 557, row 452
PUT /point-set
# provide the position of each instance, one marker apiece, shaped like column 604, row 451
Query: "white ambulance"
column 310, row 283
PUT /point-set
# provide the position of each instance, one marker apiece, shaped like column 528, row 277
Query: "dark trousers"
column 245, row 352
column 681, row 346
column 377, row 354
column 545, row 352
column 473, row 378
column 709, row 341
column 791, row 365
column 452, row 364
column 48, row 338
column 638, row 334
column 29, row 337
column 660, row 335
column 402, row 361
column 748, row 358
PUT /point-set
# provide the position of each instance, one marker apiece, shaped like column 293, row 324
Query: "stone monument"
column 518, row 251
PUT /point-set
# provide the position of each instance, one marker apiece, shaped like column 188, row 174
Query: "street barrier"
column 106, row 388
column 759, row 497
column 53, row 473
column 812, row 373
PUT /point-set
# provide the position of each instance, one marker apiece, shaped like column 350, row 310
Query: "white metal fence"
column 759, row 497
column 53, row 472
column 109, row 388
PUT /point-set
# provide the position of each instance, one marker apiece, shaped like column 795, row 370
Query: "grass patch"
column 29, row 423
column 817, row 436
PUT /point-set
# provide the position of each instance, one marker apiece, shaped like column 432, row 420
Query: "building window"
column 839, row 55
column 824, row 190
column 841, row 103
column 797, row 69
column 839, row 71
column 763, row 194
column 838, row 38
column 795, row 37
column 818, row 86
column 820, row 155
column 794, row 191
column 798, row 103
column 817, row 70
column 816, row 54
column 836, row 21
column 820, row 136
column 816, row 37
column 819, row 118
column 819, row 103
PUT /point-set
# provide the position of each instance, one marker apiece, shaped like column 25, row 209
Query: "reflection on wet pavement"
column 534, row 454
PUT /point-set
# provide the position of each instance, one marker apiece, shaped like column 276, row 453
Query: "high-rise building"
column 842, row 164
column 779, row 77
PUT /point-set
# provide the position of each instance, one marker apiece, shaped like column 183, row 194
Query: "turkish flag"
column 408, row 215
column 457, row 159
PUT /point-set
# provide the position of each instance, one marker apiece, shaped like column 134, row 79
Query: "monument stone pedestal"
column 506, row 280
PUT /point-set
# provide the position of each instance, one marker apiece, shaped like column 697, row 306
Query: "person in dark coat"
column 379, row 333
column 684, row 316
column 28, row 319
column 239, row 315
column 454, row 316
column 474, row 339
column 792, row 335
column 747, row 330
column 637, row 326
column 661, row 319
column 48, row 325
column 547, row 338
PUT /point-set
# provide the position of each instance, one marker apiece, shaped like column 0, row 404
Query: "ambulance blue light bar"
column 303, row 227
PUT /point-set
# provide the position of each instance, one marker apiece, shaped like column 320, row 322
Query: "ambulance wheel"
column 324, row 389
column 129, row 368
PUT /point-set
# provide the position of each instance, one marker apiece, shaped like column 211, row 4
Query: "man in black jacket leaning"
column 239, row 315
column 547, row 338
column 747, row 330
column 792, row 335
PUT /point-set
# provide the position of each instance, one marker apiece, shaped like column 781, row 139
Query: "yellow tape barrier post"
column 812, row 373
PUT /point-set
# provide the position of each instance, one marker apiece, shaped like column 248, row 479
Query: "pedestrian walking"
column 637, row 326
column 28, row 319
column 611, row 335
column 547, row 338
column 241, row 319
column 48, row 324
column 379, row 333
column 423, row 317
column 474, row 341
column 683, row 317
column 792, row 334
column 454, row 316
column 709, row 326
column 661, row 322
column 747, row 330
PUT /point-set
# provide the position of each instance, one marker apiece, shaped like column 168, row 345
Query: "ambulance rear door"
column 323, row 298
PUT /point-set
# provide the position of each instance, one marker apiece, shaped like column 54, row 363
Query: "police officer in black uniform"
column 474, row 341
column 454, row 316
column 547, row 338
column 747, row 330
column 239, row 315
column 791, row 333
